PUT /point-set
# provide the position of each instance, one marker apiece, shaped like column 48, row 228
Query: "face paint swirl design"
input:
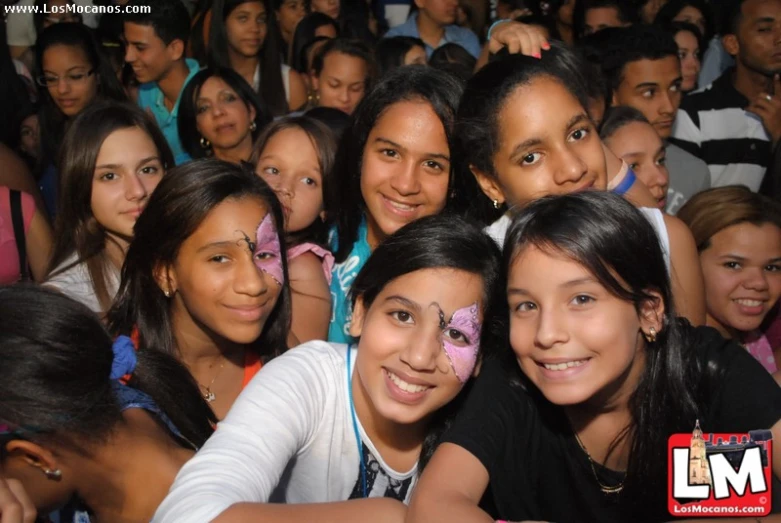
column 268, row 253
column 463, row 354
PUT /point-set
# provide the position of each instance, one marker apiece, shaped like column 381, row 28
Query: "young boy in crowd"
column 642, row 67
column 156, row 42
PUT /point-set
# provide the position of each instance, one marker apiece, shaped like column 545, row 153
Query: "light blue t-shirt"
column 453, row 35
column 343, row 275
column 151, row 98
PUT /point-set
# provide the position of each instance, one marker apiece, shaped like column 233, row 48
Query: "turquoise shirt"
column 342, row 278
column 151, row 99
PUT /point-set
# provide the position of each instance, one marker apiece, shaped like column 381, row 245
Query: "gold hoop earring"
column 651, row 336
column 205, row 143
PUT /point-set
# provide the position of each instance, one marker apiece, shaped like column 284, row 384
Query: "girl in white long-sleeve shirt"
column 328, row 422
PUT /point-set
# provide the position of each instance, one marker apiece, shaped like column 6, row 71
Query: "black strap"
column 17, row 217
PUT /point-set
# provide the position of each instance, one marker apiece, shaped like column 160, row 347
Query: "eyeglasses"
column 70, row 79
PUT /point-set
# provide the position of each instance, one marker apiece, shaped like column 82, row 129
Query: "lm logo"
column 719, row 474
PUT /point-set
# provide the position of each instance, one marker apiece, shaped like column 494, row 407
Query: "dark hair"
column 181, row 202
column 627, row 13
column 56, row 374
column 324, row 142
column 477, row 123
column 304, row 36
column 631, row 44
column 272, row 89
column 53, row 122
column 14, row 96
column 75, row 227
column 614, row 241
column 350, row 47
column 439, row 242
column 678, row 27
column 731, row 16
column 39, row 17
column 541, row 20
column 413, row 83
column 617, row 117
column 390, row 52
column 169, row 18
column 454, row 59
column 189, row 135
column 354, row 16
column 671, row 9
column 335, row 119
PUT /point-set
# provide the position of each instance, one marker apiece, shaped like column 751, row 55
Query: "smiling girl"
column 738, row 235
column 113, row 157
column 573, row 424
column 396, row 168
column 328, row 422
column 195, row 282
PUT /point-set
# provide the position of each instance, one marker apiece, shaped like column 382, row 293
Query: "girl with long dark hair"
column 70, row 430
column 244, row 36
column 394, row 168
column 205, row 279
column 326, row 422
column 572, row 424
column 72, row 74
column 112, row 158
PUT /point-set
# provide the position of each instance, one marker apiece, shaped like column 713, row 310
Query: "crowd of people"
column 373, row 260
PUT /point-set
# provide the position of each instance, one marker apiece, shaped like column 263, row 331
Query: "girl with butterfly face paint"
column 207, row 280
column 345, row 422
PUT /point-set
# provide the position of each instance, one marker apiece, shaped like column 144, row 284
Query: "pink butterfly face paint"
column 268, row 253
column 462, row 352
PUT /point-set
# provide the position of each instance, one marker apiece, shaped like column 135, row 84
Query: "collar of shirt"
column 193, row 66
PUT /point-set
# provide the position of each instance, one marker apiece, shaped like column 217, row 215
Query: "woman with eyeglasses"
column 72, row 73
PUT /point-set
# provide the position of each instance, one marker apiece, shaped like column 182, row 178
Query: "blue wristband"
column 626, row 184
column 490, row 29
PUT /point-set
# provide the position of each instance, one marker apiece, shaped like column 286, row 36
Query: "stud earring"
column 167, row 293
column 496, row 204
column 205, row 143
column 253, row 127
column 651, row 336
column 55, row 474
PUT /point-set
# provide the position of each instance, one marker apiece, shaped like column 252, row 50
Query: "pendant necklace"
column 208, row 395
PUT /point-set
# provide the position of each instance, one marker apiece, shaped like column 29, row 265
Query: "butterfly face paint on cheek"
column 268, row 253
column 463, row 353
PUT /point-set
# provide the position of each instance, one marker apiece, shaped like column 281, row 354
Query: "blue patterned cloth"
column 343, row 275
